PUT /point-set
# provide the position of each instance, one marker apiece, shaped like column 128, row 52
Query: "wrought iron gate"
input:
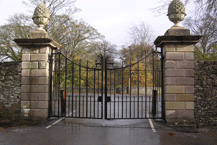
column 130, row 90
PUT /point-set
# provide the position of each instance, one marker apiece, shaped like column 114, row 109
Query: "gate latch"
column 99, row 99
column 108, row 99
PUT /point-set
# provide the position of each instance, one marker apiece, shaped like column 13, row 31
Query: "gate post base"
column 181, row 122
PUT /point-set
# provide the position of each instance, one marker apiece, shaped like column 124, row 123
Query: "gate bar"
column 79, row 88
column 65, row 79
column 122, row 91
column 130, row 88
column 50, row 81
column 87, row 92
column 72, row 86
column 106, row 87
column 59, row 87
column 145, row 86
column 94, row 83
column 138, row 88
column 102, row 85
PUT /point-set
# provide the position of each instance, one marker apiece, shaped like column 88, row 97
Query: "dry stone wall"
column 10, row 83
column 206, row 93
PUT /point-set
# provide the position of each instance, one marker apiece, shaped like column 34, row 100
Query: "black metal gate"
column 130, row 90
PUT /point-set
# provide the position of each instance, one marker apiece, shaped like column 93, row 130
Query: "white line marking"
column 151, row 123
column 55, row 123
column 59, row 120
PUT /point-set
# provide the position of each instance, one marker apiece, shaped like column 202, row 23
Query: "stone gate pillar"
column 178, row 67
column 37, row 48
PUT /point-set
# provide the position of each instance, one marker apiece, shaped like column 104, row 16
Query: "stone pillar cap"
column 37, row 38
column 37, row 42
column 162, row 40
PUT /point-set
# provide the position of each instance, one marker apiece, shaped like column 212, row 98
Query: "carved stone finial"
column 176, row 13
column 41, row 16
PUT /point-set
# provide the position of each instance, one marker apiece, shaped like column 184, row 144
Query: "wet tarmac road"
column 104, row 132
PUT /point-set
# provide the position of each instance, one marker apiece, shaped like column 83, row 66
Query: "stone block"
column 185, row 48
column 39, row 57
column 185, row 81
column 39, row 104
column 189, row 56
column 170, row 97
column 177, row 32
column 185, row 114
column 189, row 73
column 185, row 97
column 29, row 97
column 25, row 72
column 29, row 81
column 170, row 114
column 43, row 65
column 25, row 104
column 34, row 96
column 43, row 80
column 189, row 89
column 45, row 50
column 170, row 48
column 25, row 89
column 29, row 65
column 170, row 64
column 39, row 34
column 43, row 96
column 34, row 88
column 33, row 80
column 174, row 56
column 25, row 112
column 174, row 105
column 25, row 81
column 174, row 89
column 39, row 88
column 185, row 64
column 25, row 97
column 170, row 80
column 40, row 113
column 30, row 50
column 189, row 105
column 25, row 57
column 40, row 73
column 174, row 72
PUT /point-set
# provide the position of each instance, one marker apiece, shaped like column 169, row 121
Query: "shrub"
column 12, row 116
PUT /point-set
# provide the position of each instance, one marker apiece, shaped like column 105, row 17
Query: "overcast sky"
column 112, row 18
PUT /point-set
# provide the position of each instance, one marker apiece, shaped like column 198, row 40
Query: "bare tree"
column 76, row 36
column 207, row 6
column 206, row 26
column 18, row 27
column 140, row 34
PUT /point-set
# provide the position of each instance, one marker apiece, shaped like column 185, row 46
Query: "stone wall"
column 206, row 93
column 10, row 83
